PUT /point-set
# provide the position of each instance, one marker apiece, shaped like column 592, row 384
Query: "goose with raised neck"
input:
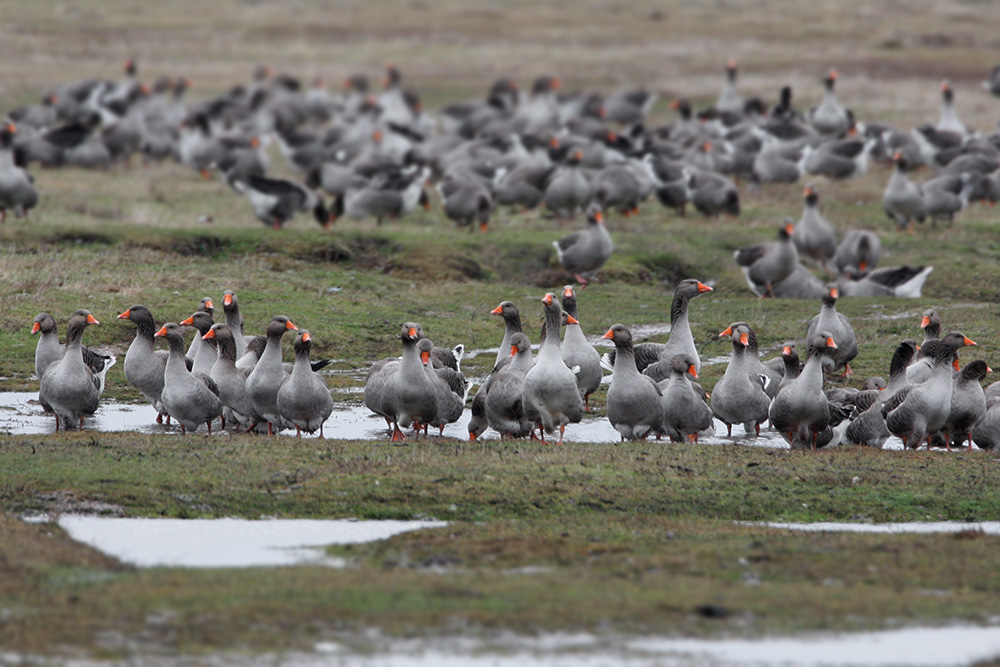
column 69, row 386
column 191, row 398
column 268, row 375
column 304, row 398
column 634, row 401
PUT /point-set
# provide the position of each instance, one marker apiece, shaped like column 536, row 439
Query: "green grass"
column 625, row 538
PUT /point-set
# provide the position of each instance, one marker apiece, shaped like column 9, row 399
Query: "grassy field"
column 629, row 538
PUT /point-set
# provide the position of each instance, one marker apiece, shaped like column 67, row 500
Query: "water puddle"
column 203, row 543
column 985, row 527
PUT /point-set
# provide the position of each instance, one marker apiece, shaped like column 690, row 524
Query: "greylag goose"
column 304, row 399
column 986, row 434
column 390, row 195
column 634, row 401
column 205, row 306
column 685, row 412
column 840, row 159
column 144, row 365
column 949, row 121
column 503, row 404
column 790, row 364
column 830, row 118
column 902, row 281
column 868, row 427
column 466, row 200
column 920, row 369
column 858, row 253
column 946, row 195
column 69, row 386
column 17, row 188
column 190, row 398
column 713, row 194
column 813, row 235
column 766, row 264
column 730, row 100
column 48, row 350
column 275, row 201
column 770, row 373
column 551, row 398
column 234, row 318
column 839, row 327
column 231, row 381
column 920, row 410
column 268, row 375
column 903, row 200
column 968, row 403
column 739, row 396
column 512, row 325
column 576, row 351
column 617, row 186
column 450, row 388
column 204, row 355
column 567, row 190
column 930, row 322
column 524, row 185
column 399, row 389
column 778, row 162
column 583, row 253
column 681, row 339
column 800, row 411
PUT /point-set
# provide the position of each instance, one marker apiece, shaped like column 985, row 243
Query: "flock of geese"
column 654, row 391
column 373, row 155
column 367, row 154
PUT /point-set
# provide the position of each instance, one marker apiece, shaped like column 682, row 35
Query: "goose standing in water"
column 551, row 398
column 800, row 411
column 503, row 404
column 576, row 351
column 450, row 388
column 304, row 399
column 191, row 399
column 685, row 413
column 49, row 350
column 268, row 375
column 868, row 427
column 69, row 386
column 144, row 365
column 634, row 401
column 399, row 389
column 739, row 396
column 231, row 381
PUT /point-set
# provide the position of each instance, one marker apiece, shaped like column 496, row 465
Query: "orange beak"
column 125, row 315
column 189, row 321
column 497, row 311
column 676, row 104
column 924, row 321
column 702, row 287
column 425, row 356
column 599, row 216
column 377, row 136
column 707, row 146
column 35, row 328
column 731, row 63
column 944, row 86
column 602, row 113
column 513, row 350
column 568, row 293
column 830, row 344
column 290, row 326
column 571, row 320
column 744, row 339
column 833, row 74
column 897, row 155
column 556, row 84
column 612, row 137
column 968, row 341
column 12, row 128
column 161, row 333
column 227, row 300
column 834, row 293
column 727, row 332
column 93, row 320
column 554, row 142
column 412, row 333
column 808, row 191
column 578, row 155
column 209, row 334
column 786, row 350
column 472, row 436
column 254, row 142
column 547, row 299
column 862, row 266
column 692, row 371
column 208, row 304
column 609, row 334
column 306, row 336
column 954, row 364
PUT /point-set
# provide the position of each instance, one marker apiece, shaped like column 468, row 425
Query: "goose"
column 69, row 386
column 450, row 389
column 389, row 195
column 512, row 325
column 839, row 328
column 946, row 195
column 655, row 359
column 868, row 427
column 577, row 352
column 968, row 403
column 206, row 305
column 48, row 350
column 770, row 373
column 268, row 375
column 275, row 201
column 840, row 159
column 234, row 318
column 205, row 355
column 629, row 106
column 920, row 410
column 790, row 363
column 524, row 185
column 685, row 413
column 17, row 188
column 739, row 396
column 813, row 235
column 903, row 200
column 713, row 194
column 986, row 434
column 304, row 399
column 830, row 118
column 949, row 121
column 858, row 253
column 503, row 405
column 550, row 396
column 231, row 381
column 466, row 200
column 583, row 253
column 634, row 401
column 399, row 389
column 930, row 322
column 567, row 190
column 901, row 281
column 729, row 99
column 617, row 186
column 190, row 398
column 779, row 162
column 765, row 264
column 800, row 411
column 144, row 365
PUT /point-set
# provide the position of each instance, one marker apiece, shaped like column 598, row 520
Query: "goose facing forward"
column 190, row 398
column 304, row 399
column 634, row 401
column 69, row 386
